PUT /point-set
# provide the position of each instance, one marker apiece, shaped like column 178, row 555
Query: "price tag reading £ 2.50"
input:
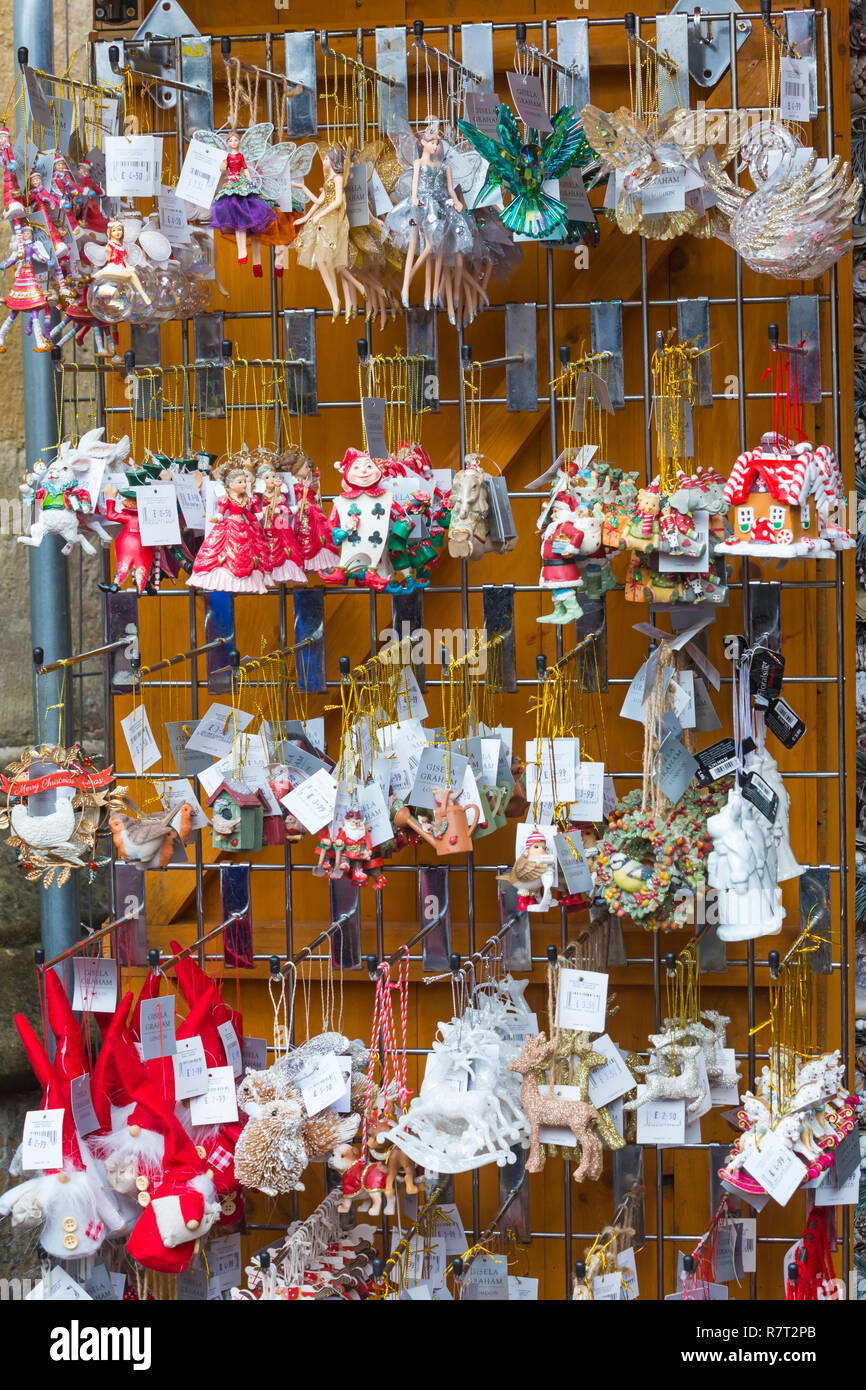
column 582, row 1000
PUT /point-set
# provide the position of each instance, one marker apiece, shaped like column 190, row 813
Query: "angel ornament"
column 431, row 226
column 533, row 875
column 240, row 207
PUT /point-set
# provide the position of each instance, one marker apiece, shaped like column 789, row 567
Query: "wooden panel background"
column 520, row 444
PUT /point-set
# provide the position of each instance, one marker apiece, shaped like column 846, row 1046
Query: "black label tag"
column 765, row 673
column 715, row 762
column 782, row 721
column 761, row 795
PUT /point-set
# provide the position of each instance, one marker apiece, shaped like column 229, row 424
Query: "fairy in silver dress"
column 431, row 225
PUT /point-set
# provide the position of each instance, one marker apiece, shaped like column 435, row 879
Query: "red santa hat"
column 195, row 982
column 564, row 499
column 351, row 456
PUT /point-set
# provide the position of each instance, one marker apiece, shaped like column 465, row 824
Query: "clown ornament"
column 360, row 522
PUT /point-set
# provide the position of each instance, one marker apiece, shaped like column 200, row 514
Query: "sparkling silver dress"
column 436, row 219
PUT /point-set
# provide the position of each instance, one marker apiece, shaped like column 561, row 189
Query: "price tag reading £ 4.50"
column 582, row 1000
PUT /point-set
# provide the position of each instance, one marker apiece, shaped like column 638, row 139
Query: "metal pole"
column 50, row 621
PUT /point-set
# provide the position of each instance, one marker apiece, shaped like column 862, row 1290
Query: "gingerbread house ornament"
column 784, row 499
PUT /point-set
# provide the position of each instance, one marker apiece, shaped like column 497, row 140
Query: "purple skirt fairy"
column 242, row 212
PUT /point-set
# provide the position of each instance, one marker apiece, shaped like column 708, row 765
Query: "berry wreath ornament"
column 647, row 858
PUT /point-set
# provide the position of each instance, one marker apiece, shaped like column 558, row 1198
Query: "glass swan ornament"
column 522, row 167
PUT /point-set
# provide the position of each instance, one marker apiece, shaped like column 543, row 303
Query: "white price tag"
column 218, row 1105
column 626, row 1265
column 357, row 202
column 62, row 1288
column 519, row 1027
column 607, row 1288
column 190, row 1068
column 172, row 219
column 522, row 1289
column 550, row 769
column 215, row 731
column 660, row 1121
column 158, row 1027
column 42, row 1143
column 312, row 803
column 528, row 97
column 582, row 1000
column 449, row 1226
column 232, row 1047
column 667, row 193
column 776, row 1168
column 143, row 748
column 95, row 985
column 178, row 791
column 487, row 1280
column 255, row 1054
column 794, row 89
column 828, row 1194
column 190, row 502
column 224, row 1258
column 133, row 165
column 614, row 1079
column 201, row 173
column 410, row 701
column 322, row 1084
column 726, row 1095
column 588, row 802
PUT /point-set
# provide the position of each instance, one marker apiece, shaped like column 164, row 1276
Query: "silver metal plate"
column 718, row 1155
column 712, row 953
column 672, row 32
column 709, row 60
column 408, row 610
column 345, row 899
column 208, row 331
column 476, row 52
column 816, row 910
column 391, row 61
column 421, row 341
column 302, row 397
column 572, row 51
column 497, row 601
column 167, row 20
column 122, row 622
column 235, row 899
column 593, row 662
column 147, row 402
column 804, row 328
column 131, row 942
column 800, row 32
column 434, row 906
column 515, row 1219
column 516, row 943
column 605, row 324
column 628, row 1183
column 693, row 326
column 310, row 622
column 301, row 73
column 196, row 68
column 219, row 621
column 521, row 378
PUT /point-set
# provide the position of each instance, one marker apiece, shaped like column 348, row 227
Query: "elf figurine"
column 360, row 522
column 350, row 851
column 134, row 559
column 561, row 541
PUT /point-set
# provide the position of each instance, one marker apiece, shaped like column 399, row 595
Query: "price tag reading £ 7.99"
column 582, row 1000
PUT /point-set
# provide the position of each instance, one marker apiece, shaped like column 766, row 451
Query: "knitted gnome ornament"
column 179, row 1208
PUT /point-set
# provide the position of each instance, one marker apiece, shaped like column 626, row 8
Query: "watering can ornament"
column 451, row 832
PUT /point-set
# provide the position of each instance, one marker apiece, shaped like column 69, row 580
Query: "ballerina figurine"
column 323, row 245
column 117, row 262
column 431, row 225
column 25, row 296
column 272, row 509
column 234, row 557
column 239, row 209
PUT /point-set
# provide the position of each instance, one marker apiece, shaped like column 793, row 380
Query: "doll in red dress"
column 117, row 262
column 133, row 559
column 86, row 202
column 25, row 296
column 235, row 556
column 309, row 523
column 272, row 509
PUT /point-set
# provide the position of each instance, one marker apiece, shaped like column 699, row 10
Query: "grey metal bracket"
column 804, row 329
column 476, row 52
column 408, row 610
column 122, row 622
column 515, row 1219
column 517, row 941
column 521, row 366
column 693, row 326
column 345, row 938
column 672, row 32
column 605, row 326
column 816, row 911
column 628, row 1187
column 765, row 614
column 497, row 602
column 422, row 343
column 391, row 60
column 210, row 377
column 145, row 344
column 196, row 70
column 718, row 1157
column 236, row 903
column 712, row 953
column 594, row 621
column 151, row 54
column 129, row 897
column 434, row 907
column 572, row 52
column 302, row 397
column 710, row 39
column 310, row 623
column 219, row 621
column 301, row 72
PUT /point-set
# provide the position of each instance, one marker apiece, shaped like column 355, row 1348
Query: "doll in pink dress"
column 272, row 509
column 309, row 523
column 235, row 556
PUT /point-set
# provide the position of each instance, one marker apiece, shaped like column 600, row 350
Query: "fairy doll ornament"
column 235, row 556
column 323, row 244
column 431, row 226
column 241, row 207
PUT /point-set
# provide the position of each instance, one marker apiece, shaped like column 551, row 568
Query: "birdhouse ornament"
column 238, row 816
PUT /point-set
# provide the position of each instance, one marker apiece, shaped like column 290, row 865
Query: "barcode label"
column 794, row 103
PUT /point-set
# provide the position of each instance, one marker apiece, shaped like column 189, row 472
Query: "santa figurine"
column 350, row 851
column 561, row 542
column 360, row 521
column 532, row 875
